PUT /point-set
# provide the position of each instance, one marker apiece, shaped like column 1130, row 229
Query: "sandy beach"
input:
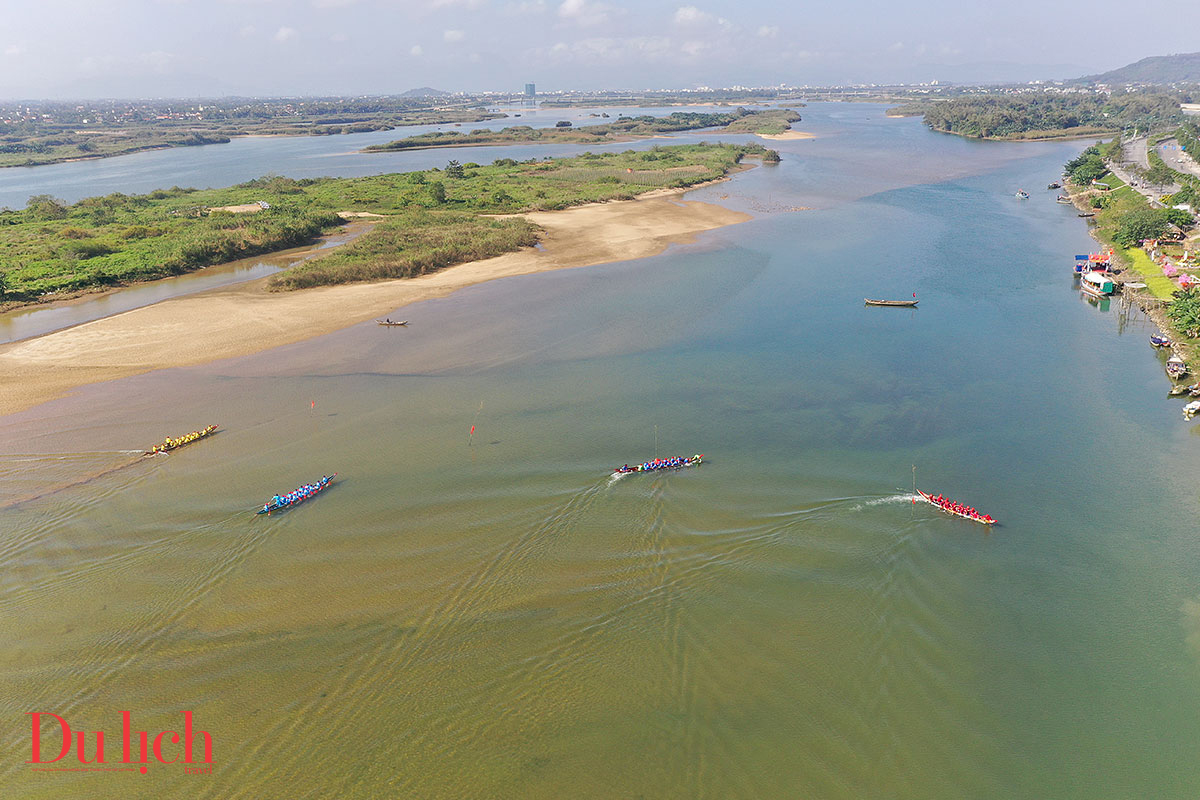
column 786, row 136
column 235, row 321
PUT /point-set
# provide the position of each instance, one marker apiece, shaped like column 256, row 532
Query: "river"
column 494, row 616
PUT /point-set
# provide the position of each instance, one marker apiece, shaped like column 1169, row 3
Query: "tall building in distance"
column 530, row 94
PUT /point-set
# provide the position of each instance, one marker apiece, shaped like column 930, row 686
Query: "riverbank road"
column 1134, row 152
column 1151, row 193
column 1177, row 158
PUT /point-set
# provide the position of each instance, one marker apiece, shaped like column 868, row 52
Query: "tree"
column 1160, row 174
column 1185, row 311
column 771, row 157
column 454, row 169
column 1179, row 217
column 1087, row 167
column 1143, row 223
column 437, row 192
column 44, row 207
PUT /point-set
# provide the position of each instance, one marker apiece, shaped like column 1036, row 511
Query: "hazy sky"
column 128, row 48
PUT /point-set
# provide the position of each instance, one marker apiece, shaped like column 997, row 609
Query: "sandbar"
column 244, row 319
column 786, row 136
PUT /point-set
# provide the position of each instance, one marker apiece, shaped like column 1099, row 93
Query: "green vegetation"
column 771, row 123
column 410, row 244
column 622, row 129
column 1124, row 218
column 1188, row 137
column 1042, row 116
column 23, row 151
column 1180, row 68
column 1138, row 224
column 102, row 241
column 45, row 133
column 1086, row 167
column 51, row 247
column 1158, row 284
column 1185, row 312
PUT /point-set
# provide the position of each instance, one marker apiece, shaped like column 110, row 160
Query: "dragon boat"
column 660, row 465
column 296, row 497
column 897, row 303
column 982, row 519
column 170, row 444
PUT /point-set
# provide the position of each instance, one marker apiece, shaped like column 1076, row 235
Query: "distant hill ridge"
column 425, row 91
column 1179, row 68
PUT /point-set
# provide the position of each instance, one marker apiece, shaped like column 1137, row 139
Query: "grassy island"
column 433, row 219
column 47, row 133
column 623, row 129
column 1036, row 117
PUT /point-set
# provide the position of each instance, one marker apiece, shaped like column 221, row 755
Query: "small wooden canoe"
column 388, row 323
column 899, row 303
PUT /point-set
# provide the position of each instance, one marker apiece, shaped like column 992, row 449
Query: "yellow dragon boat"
column 170, row 444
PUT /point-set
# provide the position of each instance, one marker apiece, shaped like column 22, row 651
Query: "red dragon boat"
column 947, row 506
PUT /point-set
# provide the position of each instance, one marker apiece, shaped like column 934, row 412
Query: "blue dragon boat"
column 296, row 497
column 660, row 464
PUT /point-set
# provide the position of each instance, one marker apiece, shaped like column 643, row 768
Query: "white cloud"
column 613, row 50
column 247, row 30
column 285, row 34
column 417, row 51
column 526, row 7
column 453, row 36
column 581, row 12
column 690, row 15
column 768, row 31
column 693, row 48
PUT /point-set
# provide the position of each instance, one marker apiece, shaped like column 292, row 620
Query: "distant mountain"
column 425, row 91
column 1180, row 68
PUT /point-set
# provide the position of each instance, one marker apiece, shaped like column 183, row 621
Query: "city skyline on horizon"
column 167, row 48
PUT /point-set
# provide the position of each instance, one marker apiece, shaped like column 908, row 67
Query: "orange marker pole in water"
column 477, row 413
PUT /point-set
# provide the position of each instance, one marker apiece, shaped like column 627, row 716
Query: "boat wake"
column 885, row 501
column 50, row 474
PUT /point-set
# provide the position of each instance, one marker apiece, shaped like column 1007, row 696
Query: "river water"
column 494, row 616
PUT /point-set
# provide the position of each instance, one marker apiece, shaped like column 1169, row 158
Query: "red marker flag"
column 472, row 430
